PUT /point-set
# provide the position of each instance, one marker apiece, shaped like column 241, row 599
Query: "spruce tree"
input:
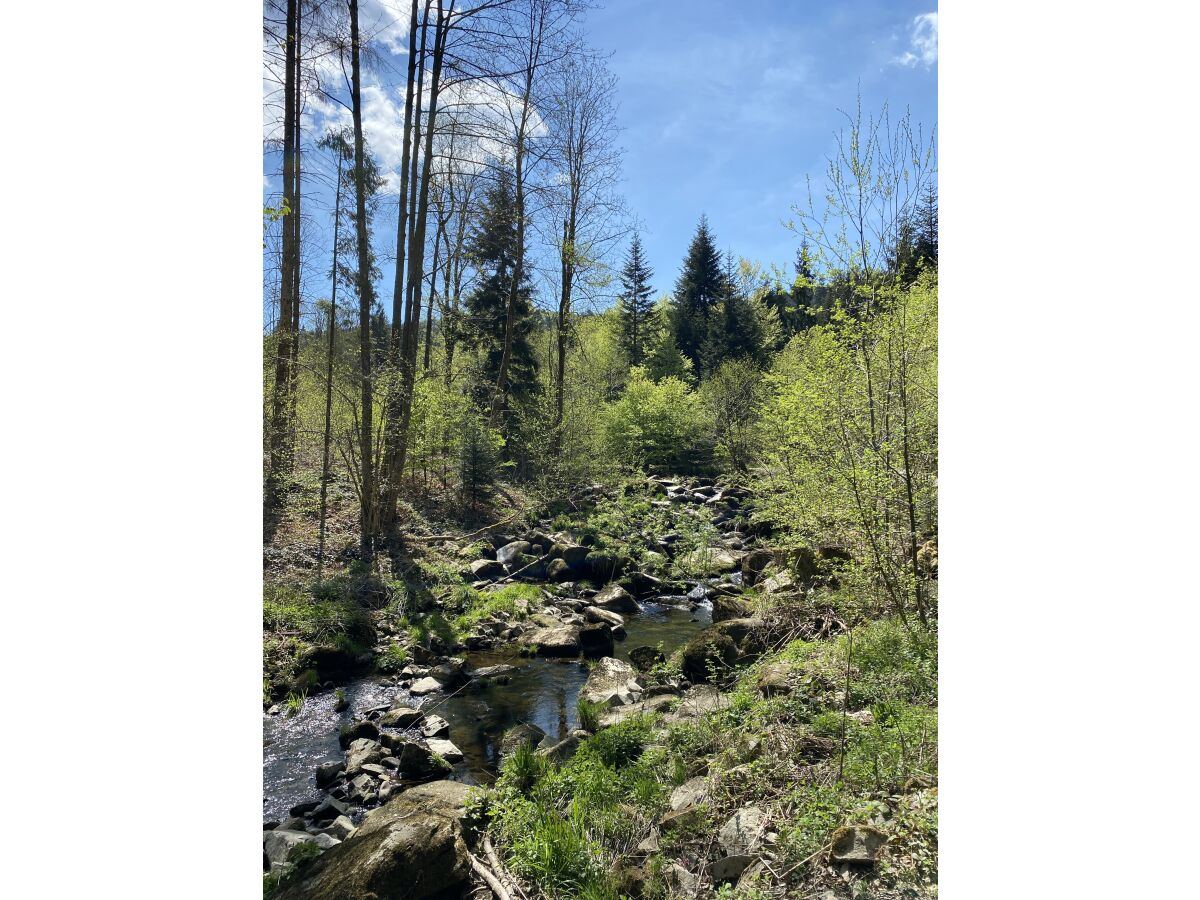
column 738, row 335
column 635, row 308
column 492, row 250
column 925, row 226
column 699, row 292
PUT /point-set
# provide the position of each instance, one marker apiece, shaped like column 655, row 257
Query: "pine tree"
column 698, row 296
column 925, row 224
column 635, row 308
column 739, row 335
column 493, row 250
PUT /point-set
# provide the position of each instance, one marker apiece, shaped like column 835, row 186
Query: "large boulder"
column 596, row 614
column 753, row 564
column 596, row 640
column 712, row 560
column 524, row 735
column 645, row 658
column 616, row 598
column 601, row 565
column 727, row 607
column 708, row 655
column 411, row 848
column 488, row 569
column 559, row 570
column 507, row 554
column 743, row 833
column 554, row 640
column 362, row 752
column 278, row 843
column 417, row 761
column 401, row 717
column 611, row 682
column 426, row 685
column 573, row 555
column 352, row 733
column 446, row 749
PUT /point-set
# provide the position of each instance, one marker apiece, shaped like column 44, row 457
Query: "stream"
column 541, row 692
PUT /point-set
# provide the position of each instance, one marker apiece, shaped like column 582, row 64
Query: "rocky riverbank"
column 569, row 599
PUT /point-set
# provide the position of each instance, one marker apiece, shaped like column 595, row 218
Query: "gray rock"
column 487, row 569
column 558, row 570
column 563, row 750
column 619, row 714
column 743, row 833
column 509, row 552
column 278, row 844
column 435, row 727
column 611, row 682
column 525, row 734
column 351, row 733
column 858, row 844
column 559, row 640
column 596, row 614
column 411, row 848
column 729, row 869
column 725, row 607
column 426, row 685
column 645, row 658
column 616, row 598
column 329, row 810
column 692, row 792
column 328, row 773
column 445, row 749
column 597, row 640
column 362, row 751
column 340, row 828
column 401, row 717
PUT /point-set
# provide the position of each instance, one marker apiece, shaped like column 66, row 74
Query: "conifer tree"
column 698, row 296
column 635, row 308
column 493, row 250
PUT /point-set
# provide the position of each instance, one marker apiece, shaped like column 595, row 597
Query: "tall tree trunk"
column 392, row 408
column 294, row 388
column 398, row 447
column 278, row 462
column 564, row 313
column 366, row 460
column 337, row 217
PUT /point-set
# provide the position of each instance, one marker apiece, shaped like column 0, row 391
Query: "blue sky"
column 724, row 109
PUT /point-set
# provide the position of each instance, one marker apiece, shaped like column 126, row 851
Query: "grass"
column 589, row 714
column 477, row 606
column 393, row 659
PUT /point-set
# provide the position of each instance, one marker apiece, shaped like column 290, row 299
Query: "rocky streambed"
column 538, row 691
column 516, row 677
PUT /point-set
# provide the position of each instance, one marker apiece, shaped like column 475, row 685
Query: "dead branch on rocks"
column 486, row 874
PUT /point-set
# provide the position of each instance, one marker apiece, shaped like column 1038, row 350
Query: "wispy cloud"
column 923, row 36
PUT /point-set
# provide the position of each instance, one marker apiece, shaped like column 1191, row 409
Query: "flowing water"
column 541, row 692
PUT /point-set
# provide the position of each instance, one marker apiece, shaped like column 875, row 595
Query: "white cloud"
column 923, row 49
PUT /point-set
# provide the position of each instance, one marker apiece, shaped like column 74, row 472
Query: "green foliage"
column 393, row 659
column 294, row 703
column 589, row 714
column 850, row 430
column 478, row 606
column 639, row 325
column 731, row 398
column 653, row 424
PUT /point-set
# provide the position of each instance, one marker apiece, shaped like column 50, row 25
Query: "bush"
column 654, row 424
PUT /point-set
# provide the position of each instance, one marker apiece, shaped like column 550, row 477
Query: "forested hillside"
column 583, row 579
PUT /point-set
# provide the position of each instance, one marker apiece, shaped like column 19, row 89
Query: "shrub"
column 653, row 424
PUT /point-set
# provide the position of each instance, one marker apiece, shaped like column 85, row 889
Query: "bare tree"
column 366, row 296
column 587, row 162
column 279, row 431
column 538, row 36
